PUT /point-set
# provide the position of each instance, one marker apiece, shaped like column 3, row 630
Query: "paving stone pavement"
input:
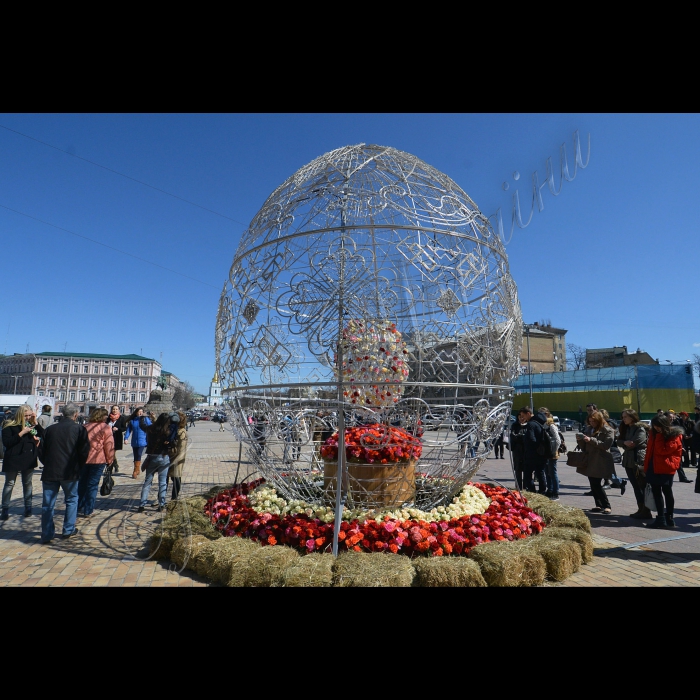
column 111, row 549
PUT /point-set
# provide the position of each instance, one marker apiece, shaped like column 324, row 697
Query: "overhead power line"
column 116, row 172
column 104, row 245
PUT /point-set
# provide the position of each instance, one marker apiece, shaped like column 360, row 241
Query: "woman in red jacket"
column 663, row 457
column 101, row 455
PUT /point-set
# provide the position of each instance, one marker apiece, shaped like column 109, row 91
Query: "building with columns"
column 89, row 380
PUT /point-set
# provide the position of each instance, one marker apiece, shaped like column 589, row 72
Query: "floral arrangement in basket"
column 481, row 513
column 374, row 363
column 374, row 444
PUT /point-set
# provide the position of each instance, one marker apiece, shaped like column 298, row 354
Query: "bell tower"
column 214, row 398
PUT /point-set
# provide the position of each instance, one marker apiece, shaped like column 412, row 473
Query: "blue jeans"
column 552, row 477
column 87, row 486
column 160, row 464
column 138, row 452
column 70, row 492
column 10, row 478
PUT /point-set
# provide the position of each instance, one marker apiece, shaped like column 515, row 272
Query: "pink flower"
column 311, row 545
column 415, row 534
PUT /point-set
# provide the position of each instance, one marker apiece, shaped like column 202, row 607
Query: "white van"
column 556, row 421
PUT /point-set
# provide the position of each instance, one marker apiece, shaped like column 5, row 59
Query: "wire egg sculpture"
column 368, row 334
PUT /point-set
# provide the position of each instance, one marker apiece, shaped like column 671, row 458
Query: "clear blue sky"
column 613, row 258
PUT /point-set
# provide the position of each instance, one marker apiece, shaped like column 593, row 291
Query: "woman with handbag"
column 663, row 457
column 599, row 461
column 632, row 440
column 100, row 456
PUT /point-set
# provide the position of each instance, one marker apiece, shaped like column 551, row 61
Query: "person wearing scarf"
column 119, row 424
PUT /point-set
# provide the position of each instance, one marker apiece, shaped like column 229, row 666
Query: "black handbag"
column 107, row 482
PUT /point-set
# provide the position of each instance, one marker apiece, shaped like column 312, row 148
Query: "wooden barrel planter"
column 373, row 485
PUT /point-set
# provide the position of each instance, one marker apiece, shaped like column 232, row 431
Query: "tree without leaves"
column 576, row 356
column 184, row 396
column 696, row 364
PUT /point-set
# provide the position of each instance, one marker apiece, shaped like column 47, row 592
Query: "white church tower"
column 214, row 398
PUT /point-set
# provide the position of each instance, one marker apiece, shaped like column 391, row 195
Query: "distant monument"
column 160, row 401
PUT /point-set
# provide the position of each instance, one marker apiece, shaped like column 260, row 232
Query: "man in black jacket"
column 517, row 447
column 63, row 451
column 535, row 463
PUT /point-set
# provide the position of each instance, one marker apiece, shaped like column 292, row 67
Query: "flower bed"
column 480, row 513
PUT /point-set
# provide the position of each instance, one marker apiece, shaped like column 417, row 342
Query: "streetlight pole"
column 529, row 368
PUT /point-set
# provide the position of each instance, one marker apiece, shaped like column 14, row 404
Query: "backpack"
column 545, row 447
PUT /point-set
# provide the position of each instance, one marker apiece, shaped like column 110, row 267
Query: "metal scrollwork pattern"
column 371, row 234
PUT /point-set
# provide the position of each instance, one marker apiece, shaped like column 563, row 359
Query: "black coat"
column 20, row 452
column 517, row 439
column 695, row 436
column 121, row 425
column 533, row 436
column 63, row 451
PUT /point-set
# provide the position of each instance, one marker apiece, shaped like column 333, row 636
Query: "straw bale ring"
column 502, row 564
column 313, row 570
column 447, row 572
column 372, row 570
column 572, row 534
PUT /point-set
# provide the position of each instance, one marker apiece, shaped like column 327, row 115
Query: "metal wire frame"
column 373, row 234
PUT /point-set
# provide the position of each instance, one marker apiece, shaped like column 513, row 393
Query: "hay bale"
column 572, row 534
column 313, row 570
column 561, row 557
column 503, row 564
column 447, row 572
column 535, row 500
column 161, row 544
column 183, row 518
column 187, row 550
column 223, row 558
column 567, row 517
column 216, row 490
column 365, row 570
column 557, row 514
column 265, row 565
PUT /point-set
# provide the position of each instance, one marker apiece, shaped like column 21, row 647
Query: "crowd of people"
column 650, row 455
column 75, row 456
